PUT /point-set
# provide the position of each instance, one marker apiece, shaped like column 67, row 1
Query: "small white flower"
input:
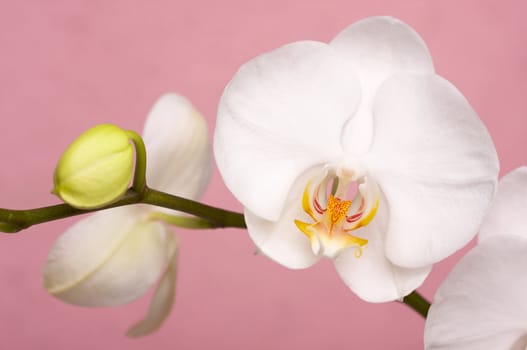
column 355, row 150
column 482, row 303
column 113, row 257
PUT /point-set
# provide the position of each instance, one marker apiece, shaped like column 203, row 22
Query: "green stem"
column 218, row 217
column 417, row 302
column 16, row 220
column 8, row 228
column 181, row 221
column 139, row 183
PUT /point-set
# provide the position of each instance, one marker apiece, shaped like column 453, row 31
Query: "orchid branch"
column 140, row 163
column 418, row 303
column 12, row 221
column 206, row 216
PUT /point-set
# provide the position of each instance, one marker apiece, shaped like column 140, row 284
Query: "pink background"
column 68, row 65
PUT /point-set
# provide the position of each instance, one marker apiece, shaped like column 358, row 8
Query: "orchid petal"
column 110, row 258
column 381, row 46
column 377, row 47
column 282, row 113
column 163, row 299
column 481, row 304
column 504, row 340
column 436, row 164
column 371, row 276
column 508, row 213
column 281, row 240
column 178, row 147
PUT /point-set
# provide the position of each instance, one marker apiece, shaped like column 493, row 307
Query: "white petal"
column 377, row 47
column 282, row 113
column 178, row 148
column 508, row 213
column 107, row 259
column 381, row 46
column 281, row 240
column 163, row 299
column 491, row 342
column 436, row 164
column 482, row 299
column 371, row 276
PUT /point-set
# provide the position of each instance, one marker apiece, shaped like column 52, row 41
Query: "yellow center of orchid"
column 334, row 215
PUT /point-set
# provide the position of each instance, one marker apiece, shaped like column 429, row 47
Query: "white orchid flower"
column 357, row 151
column 481, row 304
column 114, row 256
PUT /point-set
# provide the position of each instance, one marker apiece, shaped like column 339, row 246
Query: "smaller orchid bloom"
column 114, row 256
column 482, row 303
column 356, row 151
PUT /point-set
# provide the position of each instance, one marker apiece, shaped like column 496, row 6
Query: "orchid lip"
column 338, row 203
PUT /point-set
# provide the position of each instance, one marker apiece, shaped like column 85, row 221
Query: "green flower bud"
column 96, row 168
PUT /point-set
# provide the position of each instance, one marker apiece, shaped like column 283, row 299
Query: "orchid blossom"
column 113, row 257
column 482, row 304
column 356, row 151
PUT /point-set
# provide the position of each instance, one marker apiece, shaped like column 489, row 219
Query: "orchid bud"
column 96, row 168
